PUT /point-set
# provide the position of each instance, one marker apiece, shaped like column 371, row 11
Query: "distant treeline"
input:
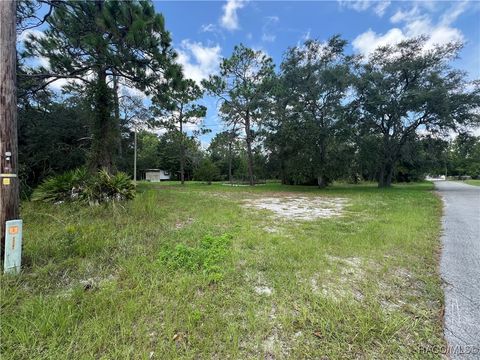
column 321, row 115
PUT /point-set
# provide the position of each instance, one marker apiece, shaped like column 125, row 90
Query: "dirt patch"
column 400, row 280
column 89, row 284
column 180, row 224
column 263, row 290
column 344, row 283
column 275, row 345
column 397, row 290
column 299, row 207
column 271, row 229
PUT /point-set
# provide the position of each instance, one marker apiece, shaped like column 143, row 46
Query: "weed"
column 207, row 257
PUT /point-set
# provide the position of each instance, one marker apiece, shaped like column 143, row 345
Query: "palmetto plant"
column 78, row 185
column 64, row 187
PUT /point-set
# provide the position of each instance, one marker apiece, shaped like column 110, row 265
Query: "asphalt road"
column 460, row 267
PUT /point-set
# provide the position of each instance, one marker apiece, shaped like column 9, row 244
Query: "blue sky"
column 205, row 31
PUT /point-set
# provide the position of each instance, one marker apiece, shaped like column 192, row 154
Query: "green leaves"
column 306, row 127
column 206, row 171
column 92, row 42
column 80, row 186
column 243, row 88
column 63, row 187
column 405, row 87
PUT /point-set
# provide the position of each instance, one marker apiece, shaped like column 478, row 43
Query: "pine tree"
column 242, row 88
column 174, row 106
column 92, row 41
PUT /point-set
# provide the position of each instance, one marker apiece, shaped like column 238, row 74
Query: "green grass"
column 174, row 273
column 472, row 182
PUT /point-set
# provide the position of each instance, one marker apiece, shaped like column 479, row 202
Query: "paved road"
column 460, row 267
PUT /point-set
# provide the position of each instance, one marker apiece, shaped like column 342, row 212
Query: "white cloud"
column 269, row 37
column 453, row 13
column 414, row 23
column 198, row 61
column 229, row 19
column 368, row 41
column 267, row 28
column 25, row 35
column 209, row 28
column 39, row 60
column 132, row 91
column 401, row 15
column 193, row 126
column 307, row 35
column 379, row 7
column 358, row 5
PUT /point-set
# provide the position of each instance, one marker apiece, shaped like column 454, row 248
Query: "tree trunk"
column 389, row 175
column 116, row 104
column 104, row 129
column 230, row 175
column 386, row 168
column 386, row 173
column 322, row 181
column 381, row 175
column 9, row 186
column 283, row 175
column 135, row 154
column 105, row 134
column 182, row 150
column 249, row 150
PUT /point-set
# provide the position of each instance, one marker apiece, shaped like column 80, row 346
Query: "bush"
column 207, row 171
column 79, row 185
column 64, row 187
column 105, row 187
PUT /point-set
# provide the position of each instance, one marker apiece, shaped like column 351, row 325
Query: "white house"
column 156, row 175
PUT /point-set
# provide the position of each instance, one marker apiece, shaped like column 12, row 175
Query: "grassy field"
column 472, row 182
column 188, row 272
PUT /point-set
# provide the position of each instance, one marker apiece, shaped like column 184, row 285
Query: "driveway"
column 460, row 267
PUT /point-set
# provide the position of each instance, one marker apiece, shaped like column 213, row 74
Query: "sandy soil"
column 299, row 207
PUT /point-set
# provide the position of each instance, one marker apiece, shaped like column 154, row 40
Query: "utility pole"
column 135, row 155
column 9, row 183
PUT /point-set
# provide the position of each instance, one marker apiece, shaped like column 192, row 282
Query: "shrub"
column 105, row 187
column 207, row 171
column 64, row 187
column 79, row 185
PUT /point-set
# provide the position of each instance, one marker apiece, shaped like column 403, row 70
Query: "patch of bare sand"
column 275, row 345
column 343, row 284
column 180, row 224
column 299, row 207
column 398, row 290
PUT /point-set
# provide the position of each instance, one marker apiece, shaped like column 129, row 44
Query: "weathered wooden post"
column 9, row 183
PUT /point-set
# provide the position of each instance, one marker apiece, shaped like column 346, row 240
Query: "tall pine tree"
column 92, row 41
column 242, row 87
column 174, row 105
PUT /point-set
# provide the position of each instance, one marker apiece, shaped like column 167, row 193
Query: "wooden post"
column 9, row 183
column 135, row 154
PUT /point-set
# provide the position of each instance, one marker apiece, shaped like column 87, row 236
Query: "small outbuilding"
column 156, row 175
